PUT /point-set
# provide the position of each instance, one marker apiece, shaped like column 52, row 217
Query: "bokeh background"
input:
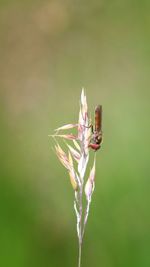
column 49, row 50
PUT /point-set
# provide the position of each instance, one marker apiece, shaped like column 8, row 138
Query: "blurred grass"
column 49, row 50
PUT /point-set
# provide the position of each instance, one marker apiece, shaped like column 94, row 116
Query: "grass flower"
column 79, row 152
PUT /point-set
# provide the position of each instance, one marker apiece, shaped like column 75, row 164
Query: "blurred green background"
column 49, row 50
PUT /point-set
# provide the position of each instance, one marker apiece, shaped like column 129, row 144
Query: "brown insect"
column 96, row 139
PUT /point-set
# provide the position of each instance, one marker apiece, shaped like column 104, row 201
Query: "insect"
column 96, row 138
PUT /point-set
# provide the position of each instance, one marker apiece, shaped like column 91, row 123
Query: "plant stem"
column 80, row 226
column 80, row 251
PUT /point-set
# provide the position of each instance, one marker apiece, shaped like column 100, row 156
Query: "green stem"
column 80, row 251
column 80, row 232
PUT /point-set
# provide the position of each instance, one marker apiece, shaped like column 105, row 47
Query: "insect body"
column 96, row 139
